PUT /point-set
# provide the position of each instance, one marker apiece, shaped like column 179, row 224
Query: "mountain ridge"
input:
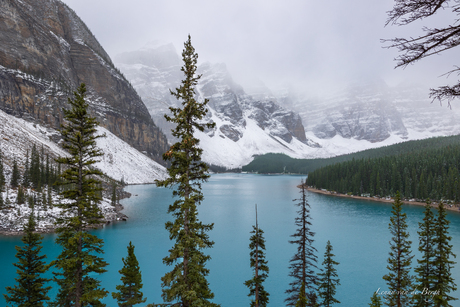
column 53, row 52
column 244, row 126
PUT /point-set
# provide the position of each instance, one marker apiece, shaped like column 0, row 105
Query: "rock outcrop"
column 364, row 111
column 46, row 52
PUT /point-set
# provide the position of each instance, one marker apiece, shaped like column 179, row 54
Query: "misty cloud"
column 315, row 44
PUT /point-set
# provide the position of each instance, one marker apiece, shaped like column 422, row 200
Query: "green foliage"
column 425, row 269
column 259, row 264
column 31, row 201
column 34, row 170
column 39, row 171
column 443, row 281
column 376, row 301
column 398, row 279
column 304, row 261
column 7, row 199
column 79, row 257
column 302, row 300
column 223, row 169
column 30, row 290
column 21, row 196
column 49, row 199
column 431, row 172
column 47, row 172
column 187, row 282
column 2, row 174
column 15, row 176
column 26, row 175
column 129, row 293
column 281, row 163
column 113, row 200
column 2, row 182
column 328, row 278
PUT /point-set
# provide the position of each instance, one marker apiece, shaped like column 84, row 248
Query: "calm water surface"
column 358, row 231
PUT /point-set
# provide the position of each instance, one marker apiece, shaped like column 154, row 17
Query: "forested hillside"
column 425, row 172
column 279, row 163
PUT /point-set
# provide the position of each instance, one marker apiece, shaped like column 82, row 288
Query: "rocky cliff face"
column 46, row 52
column 370, row 114
column 239, row 117
column 365, row 112
column 362, row 112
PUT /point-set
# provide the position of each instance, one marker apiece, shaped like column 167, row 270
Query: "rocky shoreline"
column 14, row 216
column 450, row 207
column 112, row 217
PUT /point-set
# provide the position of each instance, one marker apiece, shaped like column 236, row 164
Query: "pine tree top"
column 185, row 154
column 30, row 289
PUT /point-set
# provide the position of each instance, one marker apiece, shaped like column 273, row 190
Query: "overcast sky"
column 310, row 42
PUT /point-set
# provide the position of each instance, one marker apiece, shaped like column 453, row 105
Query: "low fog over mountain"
column 256, row 120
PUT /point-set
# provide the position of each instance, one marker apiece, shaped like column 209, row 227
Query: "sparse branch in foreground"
column 405, row 12
column 434, row 41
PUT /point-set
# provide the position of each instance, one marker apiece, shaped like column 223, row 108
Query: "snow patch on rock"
column 120, row 160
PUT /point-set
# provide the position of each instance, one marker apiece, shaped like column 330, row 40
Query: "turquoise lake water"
column 358, row 231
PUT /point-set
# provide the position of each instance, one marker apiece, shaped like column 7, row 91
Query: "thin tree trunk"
column 304, row 230
column 186, row 229
column 257, row 263
column 79, row 273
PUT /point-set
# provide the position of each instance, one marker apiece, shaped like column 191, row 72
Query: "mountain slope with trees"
column 278, row 163
column 428, row 172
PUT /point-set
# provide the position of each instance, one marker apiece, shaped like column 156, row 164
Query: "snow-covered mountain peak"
column 216, row 80
column 237, row 115
column 372, row 112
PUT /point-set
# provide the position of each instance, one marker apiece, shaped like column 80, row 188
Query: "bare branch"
column 447, row 93
column 415, row 9
column 434, row 42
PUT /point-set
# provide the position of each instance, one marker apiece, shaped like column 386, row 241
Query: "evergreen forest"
column 431, row 172
column 281, row 163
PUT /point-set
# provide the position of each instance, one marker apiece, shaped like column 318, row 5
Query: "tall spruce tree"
column 49, row 198
column 303, row 263
column 34, row 170
column 187, row 282
column 443, row 281
column 30, row 290
column 129, row 293
column 2, row 182
column 15, row 176
column 2, row 174
column 2, row 201
column 21, row 198
column 113, row 200
column 26, row 175
column 47, row 172
column 398, row 279
column 328, row 279
column 42, row 168
column 425, row 269
column 259, row 264
column 79, row 258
